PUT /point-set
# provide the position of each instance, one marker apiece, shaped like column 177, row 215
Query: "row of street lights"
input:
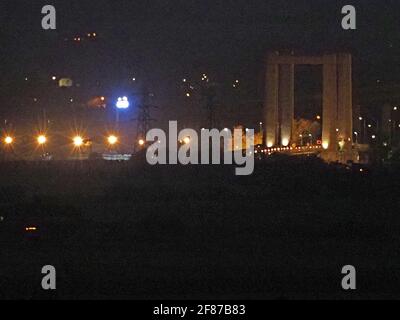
column 78, row 141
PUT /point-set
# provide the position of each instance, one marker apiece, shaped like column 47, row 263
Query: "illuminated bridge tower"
column 337, row 120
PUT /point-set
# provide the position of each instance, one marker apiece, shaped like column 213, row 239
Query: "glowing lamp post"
column 41, row 140
column 8, row 140
column 112, row 140
column 356, row 135
column 122, row 104
column 78, row 142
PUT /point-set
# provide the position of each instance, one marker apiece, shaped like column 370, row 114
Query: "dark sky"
column 162, row 42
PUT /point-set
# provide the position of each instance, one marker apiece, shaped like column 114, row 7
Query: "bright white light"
column 78, row 141
column 285, row 142
column 8, row 140
column 186, row 140
column 42, row 139
column 112, row 140
column 141, row 142
column 270, row 144
column 325, row 145
column 123, row 103
column 373, row 136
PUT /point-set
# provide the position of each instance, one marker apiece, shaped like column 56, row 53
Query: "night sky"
column 162, row 42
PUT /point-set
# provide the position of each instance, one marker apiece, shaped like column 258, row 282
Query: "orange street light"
column 8, row 140
column 78, row 141
column 112, row 140
column 41, row 139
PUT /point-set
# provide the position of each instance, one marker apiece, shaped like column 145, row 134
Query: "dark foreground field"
column 127, row 231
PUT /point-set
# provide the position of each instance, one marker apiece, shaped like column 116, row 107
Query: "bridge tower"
column 337, row 120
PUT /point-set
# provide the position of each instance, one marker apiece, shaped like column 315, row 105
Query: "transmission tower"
column 143, row 119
